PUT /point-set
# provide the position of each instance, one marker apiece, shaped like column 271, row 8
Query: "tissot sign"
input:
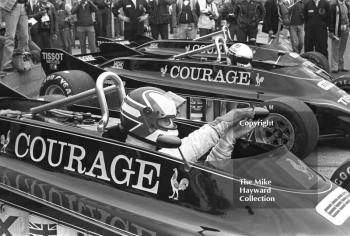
column 91, row 159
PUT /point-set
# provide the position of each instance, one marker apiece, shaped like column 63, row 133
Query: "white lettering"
column 43, row 149
column 27, row 138
column 77, row 158
column 127, row 172
column 100, row 164
column 149, row 176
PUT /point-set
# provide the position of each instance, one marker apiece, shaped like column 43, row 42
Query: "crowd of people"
column 58, row 23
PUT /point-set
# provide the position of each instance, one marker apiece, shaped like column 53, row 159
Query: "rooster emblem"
column 163, row 70
column 301, row 167
column 187, row 48
column 259, row 79
column 5, row 142
column 176, row 186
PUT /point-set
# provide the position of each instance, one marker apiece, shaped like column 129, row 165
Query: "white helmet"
column 241, row 55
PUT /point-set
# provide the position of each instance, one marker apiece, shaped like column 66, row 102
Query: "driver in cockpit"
column 241, row 55
column 148, row 112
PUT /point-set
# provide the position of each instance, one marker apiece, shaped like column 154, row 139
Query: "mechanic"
column 228, row 15
column 148, row 112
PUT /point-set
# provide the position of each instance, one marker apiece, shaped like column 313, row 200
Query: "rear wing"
column 53, row 60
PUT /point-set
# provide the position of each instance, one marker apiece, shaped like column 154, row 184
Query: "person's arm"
column 199, row 142
column 93, row 7
column 215, row 11
column 75, row 8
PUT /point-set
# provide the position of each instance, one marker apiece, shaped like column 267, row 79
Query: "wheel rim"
column 55, row 90
column 282, row 132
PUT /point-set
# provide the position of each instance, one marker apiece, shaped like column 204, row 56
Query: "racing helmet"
column 147, row 112
column 241, row 55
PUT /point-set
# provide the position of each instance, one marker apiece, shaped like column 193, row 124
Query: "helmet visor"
column 166, row 123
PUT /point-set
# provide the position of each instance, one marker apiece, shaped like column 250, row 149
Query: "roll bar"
column 99, row 90
column 225, row 32
column 102, row 98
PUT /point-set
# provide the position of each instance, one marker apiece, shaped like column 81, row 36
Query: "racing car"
column 52, row 151
column 302, row 98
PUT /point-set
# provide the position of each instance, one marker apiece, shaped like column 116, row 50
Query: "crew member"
column 148, row 112
column 15, row 13
column 249, row 13
column 134, row 14
column 228, row 15
column 339, row 33
column 316, row 15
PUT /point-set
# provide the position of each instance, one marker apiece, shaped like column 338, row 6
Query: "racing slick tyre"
column 317, row 58
column 341, row 175
column 343, row 82
column 294, row 125
column 66, row 83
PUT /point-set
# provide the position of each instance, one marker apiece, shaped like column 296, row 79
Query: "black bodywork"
column 275, row 74
column 260, row 191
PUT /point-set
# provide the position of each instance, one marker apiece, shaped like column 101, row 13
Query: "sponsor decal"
column 123, row 42
column 87, row 58
column 69, row 200
column 326, row 85
column 120, row 169
column 209, row 75
column 4, row 142
column 345, row 100
column 6, row 224
column 259, row 79
column 209, row 51
column 335, row 207
column 52, row 58
column 153, row 45
column 177, row 186
column 42, row 229
column 118, row 65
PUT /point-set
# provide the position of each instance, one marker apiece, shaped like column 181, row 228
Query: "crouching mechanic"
column 149, row 112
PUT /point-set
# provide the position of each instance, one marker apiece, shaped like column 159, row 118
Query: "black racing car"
column 302, row 98
column 74, row 160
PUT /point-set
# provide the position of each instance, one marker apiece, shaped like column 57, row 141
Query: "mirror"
column 168, row 141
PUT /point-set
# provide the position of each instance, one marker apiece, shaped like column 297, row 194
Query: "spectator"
column 185, row 19
column 85, row 24
column 101, row 17
column 228, row 15
column 16, row 19
column 159, row 18
column 46, row 27
column 296, row 28
column 64, row 19
column 339, row 27
column 316, row 15
column 271, row 18
column 249, row 13
column 208, row 14
column 134, row 13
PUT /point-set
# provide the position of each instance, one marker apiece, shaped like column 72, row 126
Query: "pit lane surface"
column 327, row 156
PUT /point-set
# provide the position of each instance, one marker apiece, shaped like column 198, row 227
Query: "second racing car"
column 302, row 98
